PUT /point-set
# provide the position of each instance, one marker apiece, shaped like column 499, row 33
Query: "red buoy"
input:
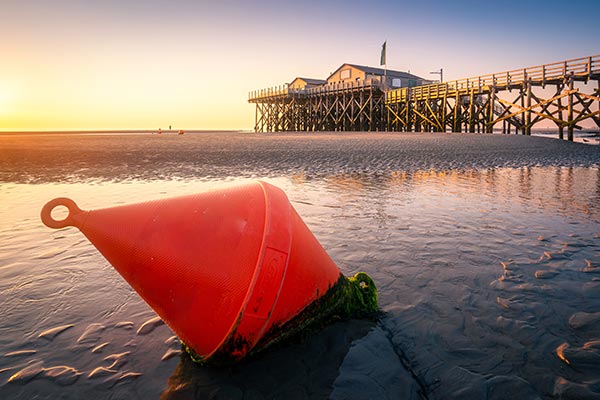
column 221, row 268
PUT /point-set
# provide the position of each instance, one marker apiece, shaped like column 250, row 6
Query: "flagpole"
column 385, row 73
column 384, row 62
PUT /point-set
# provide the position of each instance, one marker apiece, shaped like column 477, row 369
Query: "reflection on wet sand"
column 505, row 217
column 305, row 369
column 572, row 191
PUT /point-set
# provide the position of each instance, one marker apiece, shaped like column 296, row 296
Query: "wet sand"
column 485, row 249
column 217, row 155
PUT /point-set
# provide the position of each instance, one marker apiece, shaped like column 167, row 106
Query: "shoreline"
column 586, row 136
column 112, row 131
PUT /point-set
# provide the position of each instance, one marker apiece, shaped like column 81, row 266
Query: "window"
column 396, row 82
column 345, row 73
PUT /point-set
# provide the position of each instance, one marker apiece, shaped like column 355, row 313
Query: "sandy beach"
column 485, row 250
column 216, row 155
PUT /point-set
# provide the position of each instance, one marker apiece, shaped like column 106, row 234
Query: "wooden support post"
column 389, row 128
column 352, row 112
column 256, row 118
column 384, row 114
column 370, row 110
column 409, row 126
column 522, row 97
column 444, row 105
column 561, row 128
column 492, row 100
column 418, row 111
column 597, row 119
column 570, row 110
column 527, row 130
column 455, row 123
column 471, row 113
column 415, row 116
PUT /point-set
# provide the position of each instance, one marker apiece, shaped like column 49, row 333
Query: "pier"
column 565, row 92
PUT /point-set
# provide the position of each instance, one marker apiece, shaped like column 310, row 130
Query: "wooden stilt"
column 492, row 102
column 456, row 122
column 570, row 110
column 444, row 105
column 527, row 130
column 471, row 115
column 561, row 127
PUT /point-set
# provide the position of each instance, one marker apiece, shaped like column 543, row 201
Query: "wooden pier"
column 356, row 106
column 516, row 100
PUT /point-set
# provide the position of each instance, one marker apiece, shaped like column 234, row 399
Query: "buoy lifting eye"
column 50, row 222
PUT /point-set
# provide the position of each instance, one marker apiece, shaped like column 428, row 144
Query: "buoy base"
column 354, row 297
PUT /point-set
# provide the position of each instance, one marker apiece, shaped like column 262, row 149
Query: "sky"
column 148, row 64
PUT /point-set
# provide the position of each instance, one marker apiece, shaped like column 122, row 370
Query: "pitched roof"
column 312, row 81
column 378, row 71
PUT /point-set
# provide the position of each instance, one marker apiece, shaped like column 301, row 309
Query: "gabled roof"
column 311, row 81
column 377, row 71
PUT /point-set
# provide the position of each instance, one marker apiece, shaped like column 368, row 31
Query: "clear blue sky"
column 143, row 64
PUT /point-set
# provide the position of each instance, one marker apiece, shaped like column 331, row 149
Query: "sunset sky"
column 123, row 64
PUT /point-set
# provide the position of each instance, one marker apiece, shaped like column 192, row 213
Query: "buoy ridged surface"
column 221, row 268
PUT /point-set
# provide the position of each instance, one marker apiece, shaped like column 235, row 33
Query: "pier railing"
column 282, row 90
column 579, row 68
column 285, row 90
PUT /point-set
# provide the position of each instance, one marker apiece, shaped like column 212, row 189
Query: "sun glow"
column 6, row 98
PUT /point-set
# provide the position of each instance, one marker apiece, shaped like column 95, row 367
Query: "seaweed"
column 354, row 297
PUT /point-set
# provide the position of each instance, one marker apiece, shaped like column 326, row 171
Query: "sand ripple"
column 149, row 326
column 53, row 332
column 62, row 375
column 568, row 390
column 92, row 334
column 26, row 374
column 100, row 347
column 100, row 372
column 585, row 320
column 20, row 353
column 124, row 325
column 170, row 353
column 117, row 360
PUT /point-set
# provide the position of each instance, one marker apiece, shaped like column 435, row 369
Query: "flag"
column 382, row 61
